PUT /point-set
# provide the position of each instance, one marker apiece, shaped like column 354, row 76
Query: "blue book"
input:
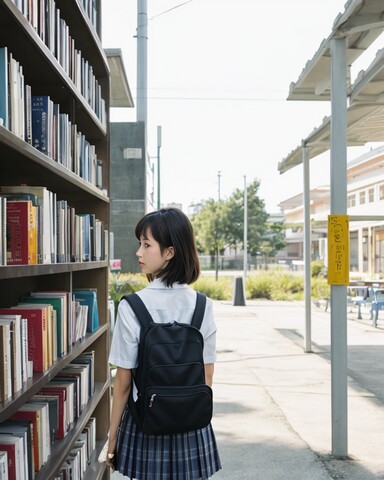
column 4, row 86
column 89, row 297
column 40, row 112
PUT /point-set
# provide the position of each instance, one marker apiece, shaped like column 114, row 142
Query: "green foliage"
column 217, row 290
column 259, row 286
column 125, row 283
column 269, row 285
column 317, row 269
column 275, row 286
column 320, row 288
column 221, row 224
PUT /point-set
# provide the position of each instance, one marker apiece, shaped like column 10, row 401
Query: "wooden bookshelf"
column 20, row 163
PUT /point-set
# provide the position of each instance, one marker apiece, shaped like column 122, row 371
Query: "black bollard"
column 238, row 292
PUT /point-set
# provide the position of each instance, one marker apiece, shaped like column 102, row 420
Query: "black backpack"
column 172, row 394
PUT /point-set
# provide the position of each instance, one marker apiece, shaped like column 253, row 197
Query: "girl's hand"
column 111, row 453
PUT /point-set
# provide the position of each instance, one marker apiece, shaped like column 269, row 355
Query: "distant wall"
column 128, row 190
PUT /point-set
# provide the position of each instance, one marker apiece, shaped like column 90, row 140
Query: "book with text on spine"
column 21, row 233
column 37, row 334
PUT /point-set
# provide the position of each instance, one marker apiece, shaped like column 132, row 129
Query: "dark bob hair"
column 170, row 227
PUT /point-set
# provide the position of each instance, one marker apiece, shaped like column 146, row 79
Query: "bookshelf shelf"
column 16, row 271
column 16, row 32
column 38, row 381
column 61, row 448
column 22, row 164
column 37, row 168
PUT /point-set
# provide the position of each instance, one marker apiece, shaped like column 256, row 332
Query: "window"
column 362, row 197
column 351, row 200
column 381, row 191
column 371, row 195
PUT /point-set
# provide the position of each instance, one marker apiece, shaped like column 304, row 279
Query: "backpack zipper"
column 152, row 399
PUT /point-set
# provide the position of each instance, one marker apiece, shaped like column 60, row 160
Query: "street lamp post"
column 158, row 165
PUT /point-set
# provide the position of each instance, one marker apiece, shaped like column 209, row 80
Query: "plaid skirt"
column 183, row 456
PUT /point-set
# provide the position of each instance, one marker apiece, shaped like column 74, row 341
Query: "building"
column 365, row 177
column 131, row 173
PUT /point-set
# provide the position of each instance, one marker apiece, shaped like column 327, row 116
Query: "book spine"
column 4, row 86
column 40, row 123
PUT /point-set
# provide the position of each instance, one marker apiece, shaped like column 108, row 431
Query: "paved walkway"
column 273, row 401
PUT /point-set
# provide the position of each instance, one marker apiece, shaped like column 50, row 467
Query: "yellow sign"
column 338, row 249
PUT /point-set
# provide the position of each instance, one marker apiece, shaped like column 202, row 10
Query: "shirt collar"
column 157, row 283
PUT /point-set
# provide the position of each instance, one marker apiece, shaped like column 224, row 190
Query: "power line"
column 169, row 10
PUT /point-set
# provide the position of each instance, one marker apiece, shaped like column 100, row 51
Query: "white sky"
column 218, row 77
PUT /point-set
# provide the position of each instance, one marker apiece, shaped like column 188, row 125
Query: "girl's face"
column 151, row 259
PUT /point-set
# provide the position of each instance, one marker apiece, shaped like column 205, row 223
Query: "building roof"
column 120, row 91
column 362, row 22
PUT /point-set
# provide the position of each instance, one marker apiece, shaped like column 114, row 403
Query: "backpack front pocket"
column 170, row 410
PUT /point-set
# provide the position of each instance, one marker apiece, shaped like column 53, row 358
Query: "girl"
column 167, row 255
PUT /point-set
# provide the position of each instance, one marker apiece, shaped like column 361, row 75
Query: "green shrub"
column 317, row 269
column 259, row 286
column 269, row 285
column 275, row 285
column 125, row 283
column 320, row 289
column 217, row 290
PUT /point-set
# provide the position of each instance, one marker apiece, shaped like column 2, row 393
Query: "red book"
column 11, row 451
column 37, row 334
column 53, row 391
column 34, row 417
column 21, row 233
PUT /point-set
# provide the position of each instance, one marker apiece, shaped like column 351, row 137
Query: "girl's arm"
column 209, row 368
column 121, row 390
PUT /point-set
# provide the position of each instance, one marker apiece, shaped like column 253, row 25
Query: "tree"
column 273, row 240
column 257, row 218
column 208, row 227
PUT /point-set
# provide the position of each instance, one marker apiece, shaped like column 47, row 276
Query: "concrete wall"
column 128, row 190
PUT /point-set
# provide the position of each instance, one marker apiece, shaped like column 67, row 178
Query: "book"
column 88, row 358
column 28, row 114
column 44, row 201
column 40, row 122
column 34, row 417
column 88, row 297
column 4, row 86
column 3, row 231
column 37, row 334
column 21, row 233
column 49, row 314
column 11, row 451
column 61, row 393
column 42, row 409
column 4, row 466
column 22, row 429
column 5, row 363
column 53, row 406
column 58, row 307
column 14, row 322
column 14, row 446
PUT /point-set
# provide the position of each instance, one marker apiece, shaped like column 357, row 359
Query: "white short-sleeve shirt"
column 165, row 304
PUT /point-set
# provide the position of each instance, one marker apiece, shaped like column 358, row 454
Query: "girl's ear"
column 170, row 253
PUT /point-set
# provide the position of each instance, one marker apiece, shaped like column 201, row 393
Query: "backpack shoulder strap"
column 198, row 314
column 139, row 309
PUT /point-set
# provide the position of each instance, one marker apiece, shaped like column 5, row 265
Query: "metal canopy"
column 361, row 23
column 365, row 124
column 120, row 91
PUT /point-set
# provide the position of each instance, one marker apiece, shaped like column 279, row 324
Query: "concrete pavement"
column 272, row 415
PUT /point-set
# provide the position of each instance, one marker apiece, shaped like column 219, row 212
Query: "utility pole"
column 217, row 226
column 142, row 61
column 158, row 165
column 245, row 228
